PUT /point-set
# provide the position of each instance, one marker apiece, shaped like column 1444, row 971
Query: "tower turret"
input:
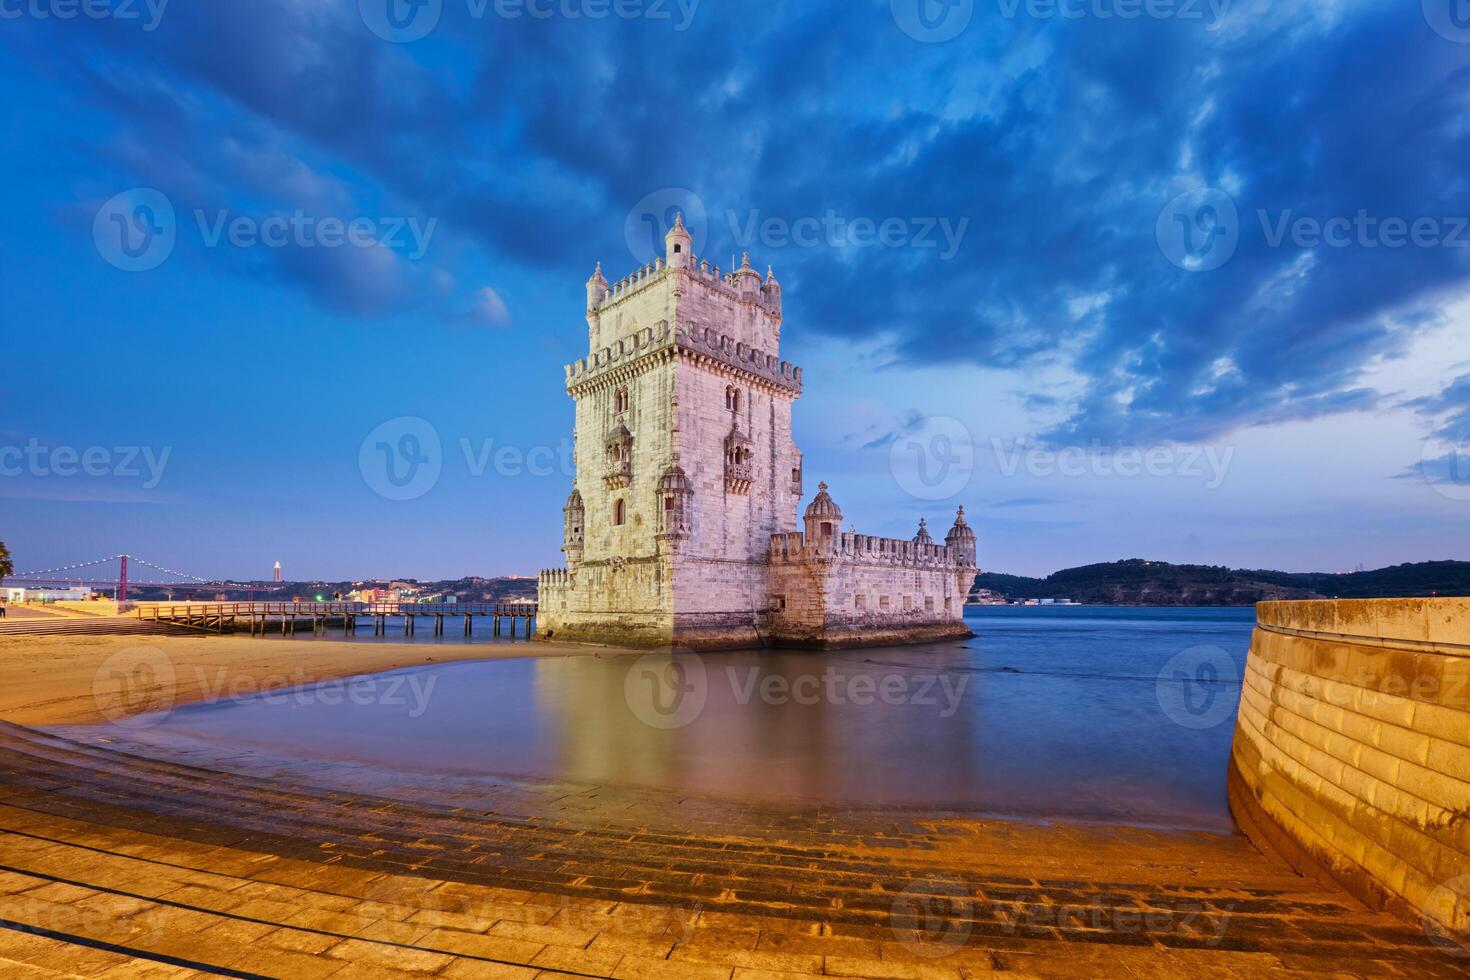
column 574, row 527
column 677, row 244
column 923, row 537
column 597, row 288
column 747, row 280
column 823, row 517
column 962, row 538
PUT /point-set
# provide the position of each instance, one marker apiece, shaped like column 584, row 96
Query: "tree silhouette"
column 7, row 567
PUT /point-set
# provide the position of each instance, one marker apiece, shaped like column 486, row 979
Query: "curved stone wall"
column 1352, row 749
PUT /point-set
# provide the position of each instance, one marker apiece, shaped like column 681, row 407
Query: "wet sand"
column 75, row 680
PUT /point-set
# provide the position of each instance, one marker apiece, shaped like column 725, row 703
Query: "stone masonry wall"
column 864, row 590
column 1352, row 749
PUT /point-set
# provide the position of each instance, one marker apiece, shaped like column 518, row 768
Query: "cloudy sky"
column 1184, row 280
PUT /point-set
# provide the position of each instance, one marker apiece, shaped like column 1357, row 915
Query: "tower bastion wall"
column 1351, row 757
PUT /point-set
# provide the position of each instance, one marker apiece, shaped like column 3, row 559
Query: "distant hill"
column 1137, row 582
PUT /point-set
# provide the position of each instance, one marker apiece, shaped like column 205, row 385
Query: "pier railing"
column 286, row 616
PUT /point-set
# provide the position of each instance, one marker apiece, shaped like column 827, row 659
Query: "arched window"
column 732, row 398
column 620, row 401
column 620, row 512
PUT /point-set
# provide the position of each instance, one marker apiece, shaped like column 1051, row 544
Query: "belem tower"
column 681, row 529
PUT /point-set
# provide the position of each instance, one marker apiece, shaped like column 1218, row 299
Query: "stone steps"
column 82, row 626
column 852, row 891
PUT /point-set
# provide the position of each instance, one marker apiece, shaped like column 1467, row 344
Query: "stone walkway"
column 115, row 865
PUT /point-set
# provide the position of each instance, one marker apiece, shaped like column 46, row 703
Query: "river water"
column 1092, row 713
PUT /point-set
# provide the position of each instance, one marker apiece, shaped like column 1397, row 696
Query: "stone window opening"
column 620, row 512
column 928, row 603
column 778, row 603
column 884, row 603
column 620, row 401
column 732, row 398
column 858, row 601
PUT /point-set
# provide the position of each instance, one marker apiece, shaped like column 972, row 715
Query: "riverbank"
column 83, row 680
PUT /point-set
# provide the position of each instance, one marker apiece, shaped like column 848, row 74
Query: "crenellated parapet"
column 701, row 343
column 743, row 285
column 554, row 578
column 798, row 546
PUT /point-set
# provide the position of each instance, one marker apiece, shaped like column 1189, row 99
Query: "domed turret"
column 675, row 480
column 597, row 288
column 677, row 244
column 923, row 537
column 962, row 538
column 823, row 517
column 747, row 280
column 574, row 534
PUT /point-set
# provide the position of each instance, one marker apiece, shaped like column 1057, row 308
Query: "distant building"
column 49, row 595
column 681, row 526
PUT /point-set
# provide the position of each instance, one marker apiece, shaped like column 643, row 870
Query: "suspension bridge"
column 98, row 574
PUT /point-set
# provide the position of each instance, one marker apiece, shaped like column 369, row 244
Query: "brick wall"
column 1352, row 749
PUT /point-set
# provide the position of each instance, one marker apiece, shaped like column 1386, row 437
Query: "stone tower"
column 685, row 461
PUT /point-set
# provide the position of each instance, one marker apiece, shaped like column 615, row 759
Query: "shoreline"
column 87, row 680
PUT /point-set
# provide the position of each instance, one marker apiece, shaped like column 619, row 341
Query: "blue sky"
column 1176, row 280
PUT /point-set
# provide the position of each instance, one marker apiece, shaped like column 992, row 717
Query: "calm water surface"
column 1117, row 714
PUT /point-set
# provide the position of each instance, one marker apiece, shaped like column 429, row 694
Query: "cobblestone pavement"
column 116, row 865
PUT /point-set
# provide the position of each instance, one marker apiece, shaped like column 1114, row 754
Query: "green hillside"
column 1140, row 582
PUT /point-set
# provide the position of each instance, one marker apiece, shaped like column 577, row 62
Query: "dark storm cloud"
column 1057, row 143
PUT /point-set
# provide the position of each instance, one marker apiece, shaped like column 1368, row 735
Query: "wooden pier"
column 514, row 619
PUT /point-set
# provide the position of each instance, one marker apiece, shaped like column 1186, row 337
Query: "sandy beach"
column 79, row 680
